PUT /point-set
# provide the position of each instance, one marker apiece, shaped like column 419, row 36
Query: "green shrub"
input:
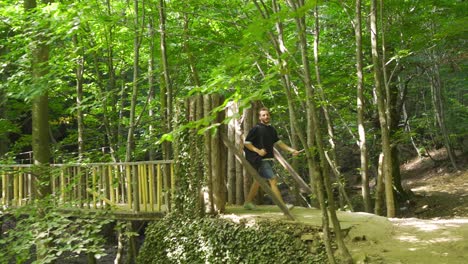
column 61, row 235
column 214, row 240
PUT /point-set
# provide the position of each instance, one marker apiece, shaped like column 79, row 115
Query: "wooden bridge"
column 129, row 188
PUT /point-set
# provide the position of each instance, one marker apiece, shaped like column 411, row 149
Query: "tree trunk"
column 331, row 134
column 4, row 142
column 382, row 110
column 322, row 180
column 379, row 187
column 365, row 191
column 439, row 109
column 132, row 252
column 166, row 87
column 40, row 125
column 79, row 97
column 152, row 85
column 191, row 60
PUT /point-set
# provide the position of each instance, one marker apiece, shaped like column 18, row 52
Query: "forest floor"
column 432, row 228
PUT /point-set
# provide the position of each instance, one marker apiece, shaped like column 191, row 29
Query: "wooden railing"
column 126, row 186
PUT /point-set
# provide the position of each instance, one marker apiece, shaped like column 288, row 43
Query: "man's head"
column 264, row 116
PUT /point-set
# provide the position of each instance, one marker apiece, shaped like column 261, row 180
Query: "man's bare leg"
column 253, row 192
column 274, row 188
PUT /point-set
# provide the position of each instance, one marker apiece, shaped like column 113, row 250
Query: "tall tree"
column 361, row 108
column 166, row 85
column 382, row 111
column 40, row 107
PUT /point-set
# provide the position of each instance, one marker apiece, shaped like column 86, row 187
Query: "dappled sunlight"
column 411, row 239
column 431, row 225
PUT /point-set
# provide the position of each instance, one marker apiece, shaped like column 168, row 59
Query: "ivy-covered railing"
column 125, row 186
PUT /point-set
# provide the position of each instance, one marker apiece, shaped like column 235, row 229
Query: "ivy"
column 177, row 239
column 65, row 236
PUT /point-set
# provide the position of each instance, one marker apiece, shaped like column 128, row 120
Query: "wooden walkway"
column 130, row 189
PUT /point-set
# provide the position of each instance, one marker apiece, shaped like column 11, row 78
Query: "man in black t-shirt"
column 258, row 148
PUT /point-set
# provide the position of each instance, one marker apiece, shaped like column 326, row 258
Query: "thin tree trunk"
column 79, row 97
column 191, row 60
column 322, row 180
column 166, row 88
column 331, row 135
column 439, row 109
column 132, row 252
column 365, row 191
column 151, row 84
column 379, row 187
column 382, row 109
column 4, row 142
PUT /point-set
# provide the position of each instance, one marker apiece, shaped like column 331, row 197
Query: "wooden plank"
column 151, row 189
column 303, row 186
column 144, row 183
column 159, row 187
column 253, row 172
column 94, row 187
column 20, row 188
column 4, row 188
column 128, row 174
column 173, row 182
column 111, row 183
column 135, row 188
column 62, row 185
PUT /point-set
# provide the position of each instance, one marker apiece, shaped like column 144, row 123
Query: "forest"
column 360, row 87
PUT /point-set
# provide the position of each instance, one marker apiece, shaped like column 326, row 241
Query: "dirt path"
column 409, row 241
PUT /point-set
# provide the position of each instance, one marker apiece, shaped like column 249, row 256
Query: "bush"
column 214, row 240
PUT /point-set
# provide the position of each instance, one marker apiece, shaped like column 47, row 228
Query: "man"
column 258, row 147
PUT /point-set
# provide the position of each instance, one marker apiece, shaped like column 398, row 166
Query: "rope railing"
column 125, row 186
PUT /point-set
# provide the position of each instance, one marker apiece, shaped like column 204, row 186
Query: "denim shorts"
column 266, row 169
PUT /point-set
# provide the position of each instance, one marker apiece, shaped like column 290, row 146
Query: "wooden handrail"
column 95, row 185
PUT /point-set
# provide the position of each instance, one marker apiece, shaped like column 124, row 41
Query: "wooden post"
column 4, row 188
column 239, row 141
column 159, row 187
column 247, row 116
column 128, row 176
column 217, row 162
column 136, row 197
column 207, row 144
column 231, row 160
column 151, row 186
column 173, row 182
column 94, row 187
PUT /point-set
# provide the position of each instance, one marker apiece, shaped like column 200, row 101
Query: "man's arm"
column 251, row 147
column 287, row 148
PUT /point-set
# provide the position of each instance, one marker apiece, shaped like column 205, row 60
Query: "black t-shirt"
column 262, row 137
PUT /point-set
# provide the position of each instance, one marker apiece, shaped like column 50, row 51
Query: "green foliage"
column 61, row 235
column 213, row 240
